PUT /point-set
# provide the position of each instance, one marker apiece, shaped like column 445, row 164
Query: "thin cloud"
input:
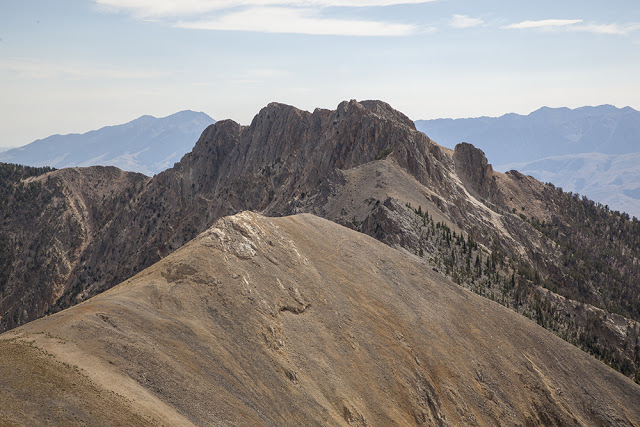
column 615, row 29
column 464, row 21
column 577, row 25
column 40, row 70
column 183, row 8
column 545, row 23
column 296, row 21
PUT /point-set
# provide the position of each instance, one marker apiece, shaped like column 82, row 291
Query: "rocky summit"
column 299, row 321
column 446, row 216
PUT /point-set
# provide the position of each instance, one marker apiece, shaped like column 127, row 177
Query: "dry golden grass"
column 298, row 321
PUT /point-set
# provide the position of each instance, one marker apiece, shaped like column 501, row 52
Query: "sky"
column 69, row 66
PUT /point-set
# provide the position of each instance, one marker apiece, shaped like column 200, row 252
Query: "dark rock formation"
column 505, row 236
column 474, row 170
column 283, row 154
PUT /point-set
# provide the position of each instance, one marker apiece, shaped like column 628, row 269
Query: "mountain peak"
column 277, row 111
column 474, row 170
column 379, row 108
column 147, row 144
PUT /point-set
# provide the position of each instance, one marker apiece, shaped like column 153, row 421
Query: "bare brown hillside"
column 565, row 262
column 299, row 321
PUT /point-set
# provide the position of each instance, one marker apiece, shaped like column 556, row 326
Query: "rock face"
column 590, row 150
column 474, row 170
column 508, row 237
column 299, row 321
column 283, row 154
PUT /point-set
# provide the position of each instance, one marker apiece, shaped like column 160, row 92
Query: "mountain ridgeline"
column 299, row 321
column 544, row 133
column 589, row 150
column 612, row 180
column 565, row 262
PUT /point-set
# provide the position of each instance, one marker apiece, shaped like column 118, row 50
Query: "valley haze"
column 147, row 145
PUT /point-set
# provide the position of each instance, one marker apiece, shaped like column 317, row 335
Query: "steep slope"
column 284, row 153
column 298, row 321
column 612, row 180
column 590, row 150
column 566, row 263
column 46, row 223
column 147, row 145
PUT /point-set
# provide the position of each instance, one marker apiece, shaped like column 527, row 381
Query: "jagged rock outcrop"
column 505, row 236
column 284, row 154
column 299, row 321
column 474, row 170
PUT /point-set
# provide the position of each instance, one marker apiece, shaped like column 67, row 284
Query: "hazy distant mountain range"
column 545, row 132
column 147, row 145
column 590, row 150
